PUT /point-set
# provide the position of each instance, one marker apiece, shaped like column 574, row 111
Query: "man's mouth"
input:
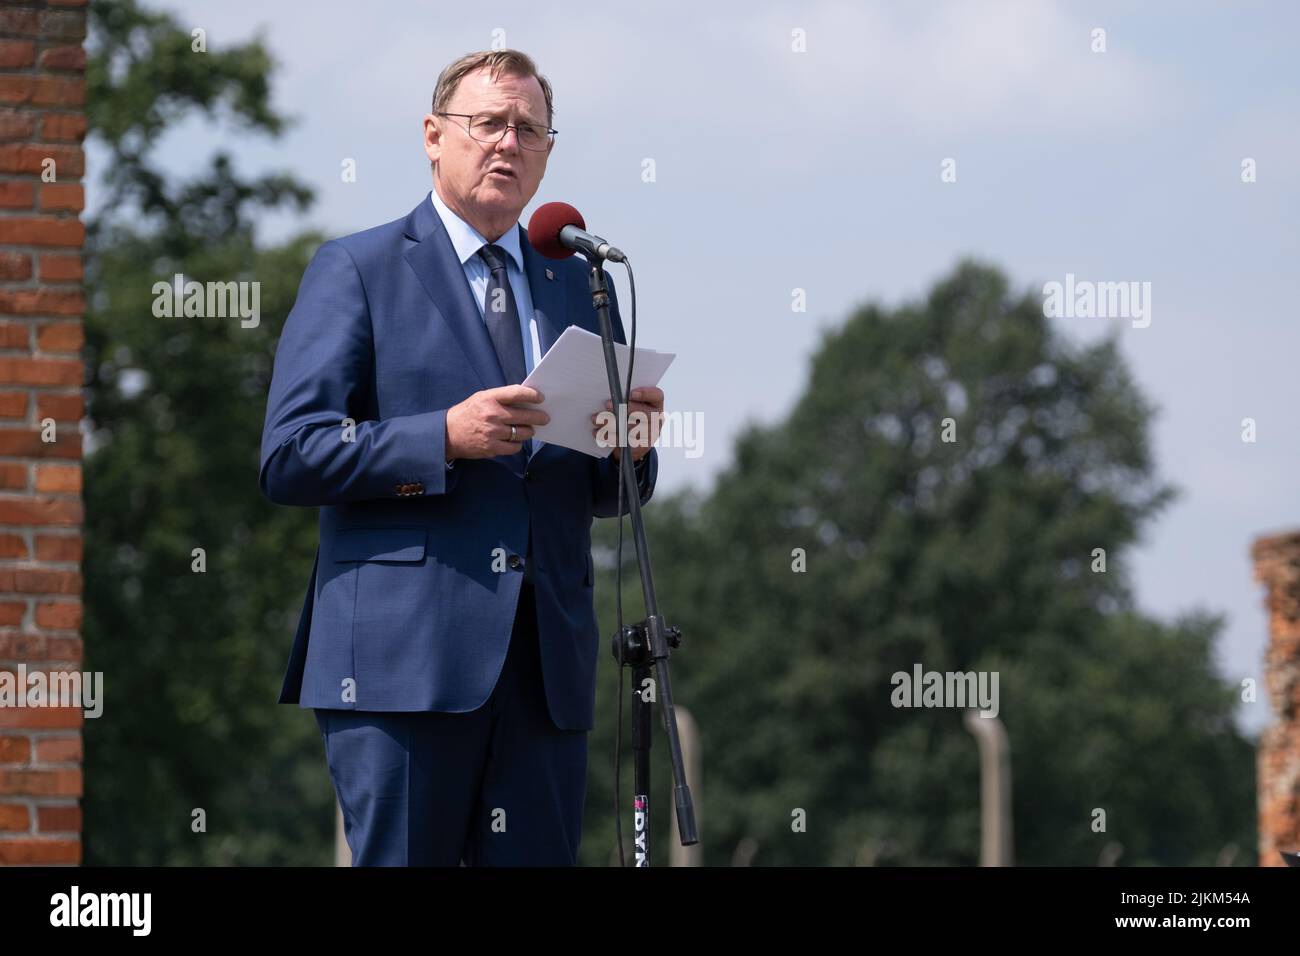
column 501, row 171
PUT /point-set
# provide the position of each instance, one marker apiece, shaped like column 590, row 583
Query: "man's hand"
column 479, row 427
column 645, row 409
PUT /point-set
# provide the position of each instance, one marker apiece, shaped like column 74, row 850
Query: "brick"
column 1277, row 566
column 57, row 616
column 21, row 645
column 60, row 337
column 15, row 750
column 27, row 443
column 58, row 749
column 40, row 851
column 60, row 268
column 68, row 59
column 63, row 197
column 63, row 128
column 69, row 161
column 39, row 511
column 36, row 90
column 16, row 54
column 13, row 404
column 15, row 335
column 14, row 816
column 58, row 478
column 63, row 25
column 12, row 546
column 61, row 547
column 39, row 371
column 19, row 23
column 15, row 267
column 38, row 581
column 17, row 124
column 58, row 819
column 11, row 612
column 40, row 783
column 41, row 231
column 70, row 649
column 42, row 718
column 17, row 194
column 13, row 476
column 62, row 408
column 22, row 443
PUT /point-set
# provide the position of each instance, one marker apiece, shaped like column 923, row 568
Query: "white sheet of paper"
column 574, row 384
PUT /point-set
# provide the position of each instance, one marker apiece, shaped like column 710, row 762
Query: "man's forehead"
column 480, row 89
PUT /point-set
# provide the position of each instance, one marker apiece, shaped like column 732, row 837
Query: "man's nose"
column 512, row 135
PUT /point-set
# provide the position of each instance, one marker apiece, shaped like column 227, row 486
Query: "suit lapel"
column 443, row 278
column 550, row 303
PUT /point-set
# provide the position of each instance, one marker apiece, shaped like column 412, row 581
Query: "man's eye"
column 488, row 124
column 528, row 131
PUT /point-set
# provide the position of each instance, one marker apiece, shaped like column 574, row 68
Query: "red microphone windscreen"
column 545, row 225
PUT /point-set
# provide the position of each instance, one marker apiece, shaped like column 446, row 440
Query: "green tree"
column 192, row 661
column 972, row 553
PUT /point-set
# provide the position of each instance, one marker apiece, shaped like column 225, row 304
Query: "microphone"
column 557, row 230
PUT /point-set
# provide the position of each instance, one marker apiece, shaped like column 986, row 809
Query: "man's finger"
column 642, row 407
column 648, row 393
column 518, row 415
column 516, row 395
column 643, row 401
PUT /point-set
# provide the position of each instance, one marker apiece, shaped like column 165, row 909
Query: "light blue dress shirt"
column 467, row 241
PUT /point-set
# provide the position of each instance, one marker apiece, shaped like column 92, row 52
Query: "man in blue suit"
column 448, row 641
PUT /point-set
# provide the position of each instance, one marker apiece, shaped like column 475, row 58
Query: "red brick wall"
column 42, row 95
column 1277, row 565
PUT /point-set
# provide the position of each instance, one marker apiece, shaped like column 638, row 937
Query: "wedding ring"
column 512, row 432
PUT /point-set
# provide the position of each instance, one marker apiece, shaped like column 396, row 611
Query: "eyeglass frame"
column 550, row 140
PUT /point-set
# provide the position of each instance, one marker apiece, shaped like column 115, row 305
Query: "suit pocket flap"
column 379, row 544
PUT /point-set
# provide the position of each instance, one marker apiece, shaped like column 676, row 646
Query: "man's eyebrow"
column 498, row 114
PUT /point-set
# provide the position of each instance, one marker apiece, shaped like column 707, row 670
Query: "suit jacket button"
column 515, row 561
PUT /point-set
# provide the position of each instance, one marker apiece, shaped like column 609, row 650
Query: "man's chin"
column 502, row 203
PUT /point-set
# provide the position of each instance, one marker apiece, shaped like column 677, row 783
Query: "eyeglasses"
column 487, row 128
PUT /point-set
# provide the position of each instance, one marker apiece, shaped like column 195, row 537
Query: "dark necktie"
column 501, row 314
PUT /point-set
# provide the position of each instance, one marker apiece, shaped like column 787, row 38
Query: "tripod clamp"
column 631, row 646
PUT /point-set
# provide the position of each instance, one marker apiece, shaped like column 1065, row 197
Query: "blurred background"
column 842, row 217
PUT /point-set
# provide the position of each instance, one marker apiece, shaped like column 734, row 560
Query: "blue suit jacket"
column 412, row 598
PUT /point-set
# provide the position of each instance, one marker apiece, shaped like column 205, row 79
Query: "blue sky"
column 820, row 170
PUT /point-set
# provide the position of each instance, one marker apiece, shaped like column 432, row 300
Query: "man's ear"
column 432, row 137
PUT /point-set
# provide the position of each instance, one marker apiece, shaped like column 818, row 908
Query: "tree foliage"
column 975, row 553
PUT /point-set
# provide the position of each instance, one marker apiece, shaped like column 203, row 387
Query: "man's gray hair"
column 509, row 62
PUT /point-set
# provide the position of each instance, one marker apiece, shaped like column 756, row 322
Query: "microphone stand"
column 643, row 647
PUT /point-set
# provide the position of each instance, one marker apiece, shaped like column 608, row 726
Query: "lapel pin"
column 550, row 274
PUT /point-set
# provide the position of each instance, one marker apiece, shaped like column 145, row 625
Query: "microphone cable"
column 618, row 579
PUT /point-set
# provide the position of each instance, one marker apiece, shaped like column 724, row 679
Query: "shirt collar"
column 467, row 240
